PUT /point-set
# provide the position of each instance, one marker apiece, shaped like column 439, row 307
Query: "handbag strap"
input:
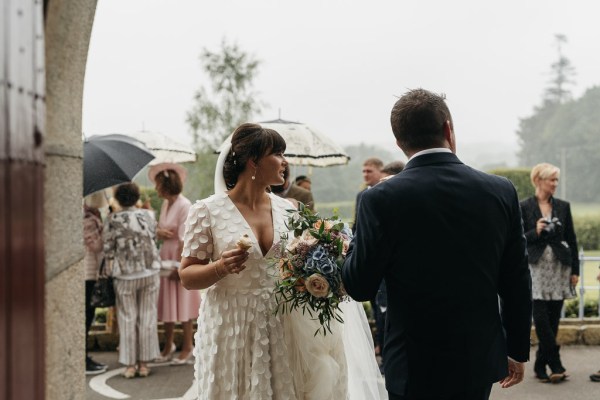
column 102, row 270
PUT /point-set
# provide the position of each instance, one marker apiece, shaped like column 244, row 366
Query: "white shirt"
column 431, row 151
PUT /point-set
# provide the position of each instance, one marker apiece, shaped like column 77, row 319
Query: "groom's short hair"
column 418, row 120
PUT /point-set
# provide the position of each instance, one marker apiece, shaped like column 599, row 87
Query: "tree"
column 568, row 137
column 562, row 75
column 231, row 99
column 218, row 110
column 564, row 131
column 533, row 130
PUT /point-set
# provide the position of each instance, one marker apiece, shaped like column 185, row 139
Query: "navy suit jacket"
column 448, row 240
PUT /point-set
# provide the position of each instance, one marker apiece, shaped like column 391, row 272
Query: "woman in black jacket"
column 553, row 262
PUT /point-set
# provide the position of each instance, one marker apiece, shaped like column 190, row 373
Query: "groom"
column 449, row 243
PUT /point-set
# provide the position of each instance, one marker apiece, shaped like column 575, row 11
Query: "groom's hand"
column 516, row 371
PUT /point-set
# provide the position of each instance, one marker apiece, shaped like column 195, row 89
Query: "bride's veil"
column 364, row 379
column 220, row 185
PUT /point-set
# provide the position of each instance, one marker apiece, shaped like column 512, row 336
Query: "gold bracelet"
column 217, row 271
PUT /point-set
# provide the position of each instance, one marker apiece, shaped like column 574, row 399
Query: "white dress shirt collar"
column 430, row 151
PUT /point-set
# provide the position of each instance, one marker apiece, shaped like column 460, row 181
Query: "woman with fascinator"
column 243, row 350
column 174, row 302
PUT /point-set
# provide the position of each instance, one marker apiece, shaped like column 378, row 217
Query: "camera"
column 551, row 225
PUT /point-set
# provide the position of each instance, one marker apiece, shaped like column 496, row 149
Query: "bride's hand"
column 232, row 261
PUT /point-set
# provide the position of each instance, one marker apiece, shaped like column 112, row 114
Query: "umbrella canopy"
column 165, row 149
column 111, row 159
column 305, row 145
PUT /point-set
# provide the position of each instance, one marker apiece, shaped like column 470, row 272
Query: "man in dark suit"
column 448, row 240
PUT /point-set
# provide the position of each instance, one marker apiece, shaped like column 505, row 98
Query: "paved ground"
column 170, row 382
column 580, row 362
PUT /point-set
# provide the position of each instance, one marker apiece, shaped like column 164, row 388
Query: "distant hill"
column 342, row 183
column 488, row 155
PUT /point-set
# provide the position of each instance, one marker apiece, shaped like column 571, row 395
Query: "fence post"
column 581, row 283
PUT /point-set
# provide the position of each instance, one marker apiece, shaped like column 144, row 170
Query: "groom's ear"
column 449, row 135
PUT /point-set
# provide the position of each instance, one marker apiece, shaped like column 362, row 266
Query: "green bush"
column 155, row 201
column 101, row 315
column 520, row 178
column 590, row 308
column 587, row 229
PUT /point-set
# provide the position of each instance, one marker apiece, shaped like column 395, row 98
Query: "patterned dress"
column 240, row 350
column 243, row 351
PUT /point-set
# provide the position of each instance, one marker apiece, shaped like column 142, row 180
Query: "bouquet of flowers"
column 310, row 265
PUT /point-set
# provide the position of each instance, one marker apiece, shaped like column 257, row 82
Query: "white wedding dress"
column 244, row 351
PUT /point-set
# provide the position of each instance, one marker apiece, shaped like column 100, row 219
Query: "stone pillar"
column 68, row 28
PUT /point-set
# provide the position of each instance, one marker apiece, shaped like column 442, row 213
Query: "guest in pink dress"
column 174, row 302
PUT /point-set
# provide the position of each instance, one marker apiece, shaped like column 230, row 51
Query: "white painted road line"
column 98, row 384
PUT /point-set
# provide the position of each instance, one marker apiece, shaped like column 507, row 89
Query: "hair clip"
column 166, row 173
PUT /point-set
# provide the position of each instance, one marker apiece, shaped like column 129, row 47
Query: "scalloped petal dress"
column 245, row 352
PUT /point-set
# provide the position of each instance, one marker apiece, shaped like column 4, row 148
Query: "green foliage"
column 314, row 254
column 520, row 178
column 342, row 183
column 100, row 315
column 564, row 132
column 230, row 101
column 587, row 229
column 562, row 75
column 590, row 308
column 149, row 193
column 200, row 178
column 567, row 136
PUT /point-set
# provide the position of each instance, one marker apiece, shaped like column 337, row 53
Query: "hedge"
column 590, row 308
column 520, row 178
column 587, row 229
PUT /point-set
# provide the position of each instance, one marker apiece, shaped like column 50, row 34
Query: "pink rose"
column 308, row 239
column 317, row 285
column 293, row 245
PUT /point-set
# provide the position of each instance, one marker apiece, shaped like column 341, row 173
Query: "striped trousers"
column 136, row 314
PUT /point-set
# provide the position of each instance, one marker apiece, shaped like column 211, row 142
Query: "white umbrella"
column 165, row 149
column 304, row 145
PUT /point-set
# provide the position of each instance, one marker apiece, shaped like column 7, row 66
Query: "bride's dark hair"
column 249, row 142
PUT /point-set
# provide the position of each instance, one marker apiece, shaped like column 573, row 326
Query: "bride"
column 243, row 350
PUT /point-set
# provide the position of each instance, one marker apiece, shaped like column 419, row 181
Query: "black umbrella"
column 112, row 159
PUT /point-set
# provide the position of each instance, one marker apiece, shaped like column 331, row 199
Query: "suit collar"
column 432, row 158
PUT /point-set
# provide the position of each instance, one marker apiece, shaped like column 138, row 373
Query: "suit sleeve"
column 514, row 287
column 367, row 257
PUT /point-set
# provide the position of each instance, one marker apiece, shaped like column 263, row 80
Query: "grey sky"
column 338, row 64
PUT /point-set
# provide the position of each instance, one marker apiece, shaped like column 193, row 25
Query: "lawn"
column 585, row 209
column 590, row 272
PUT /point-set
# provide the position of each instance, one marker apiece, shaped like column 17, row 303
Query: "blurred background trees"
column 565, row 132
column 217, row 110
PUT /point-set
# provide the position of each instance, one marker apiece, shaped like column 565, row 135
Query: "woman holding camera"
column 553, row 262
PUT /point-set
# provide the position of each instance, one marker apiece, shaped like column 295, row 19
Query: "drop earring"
column 254, row 174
